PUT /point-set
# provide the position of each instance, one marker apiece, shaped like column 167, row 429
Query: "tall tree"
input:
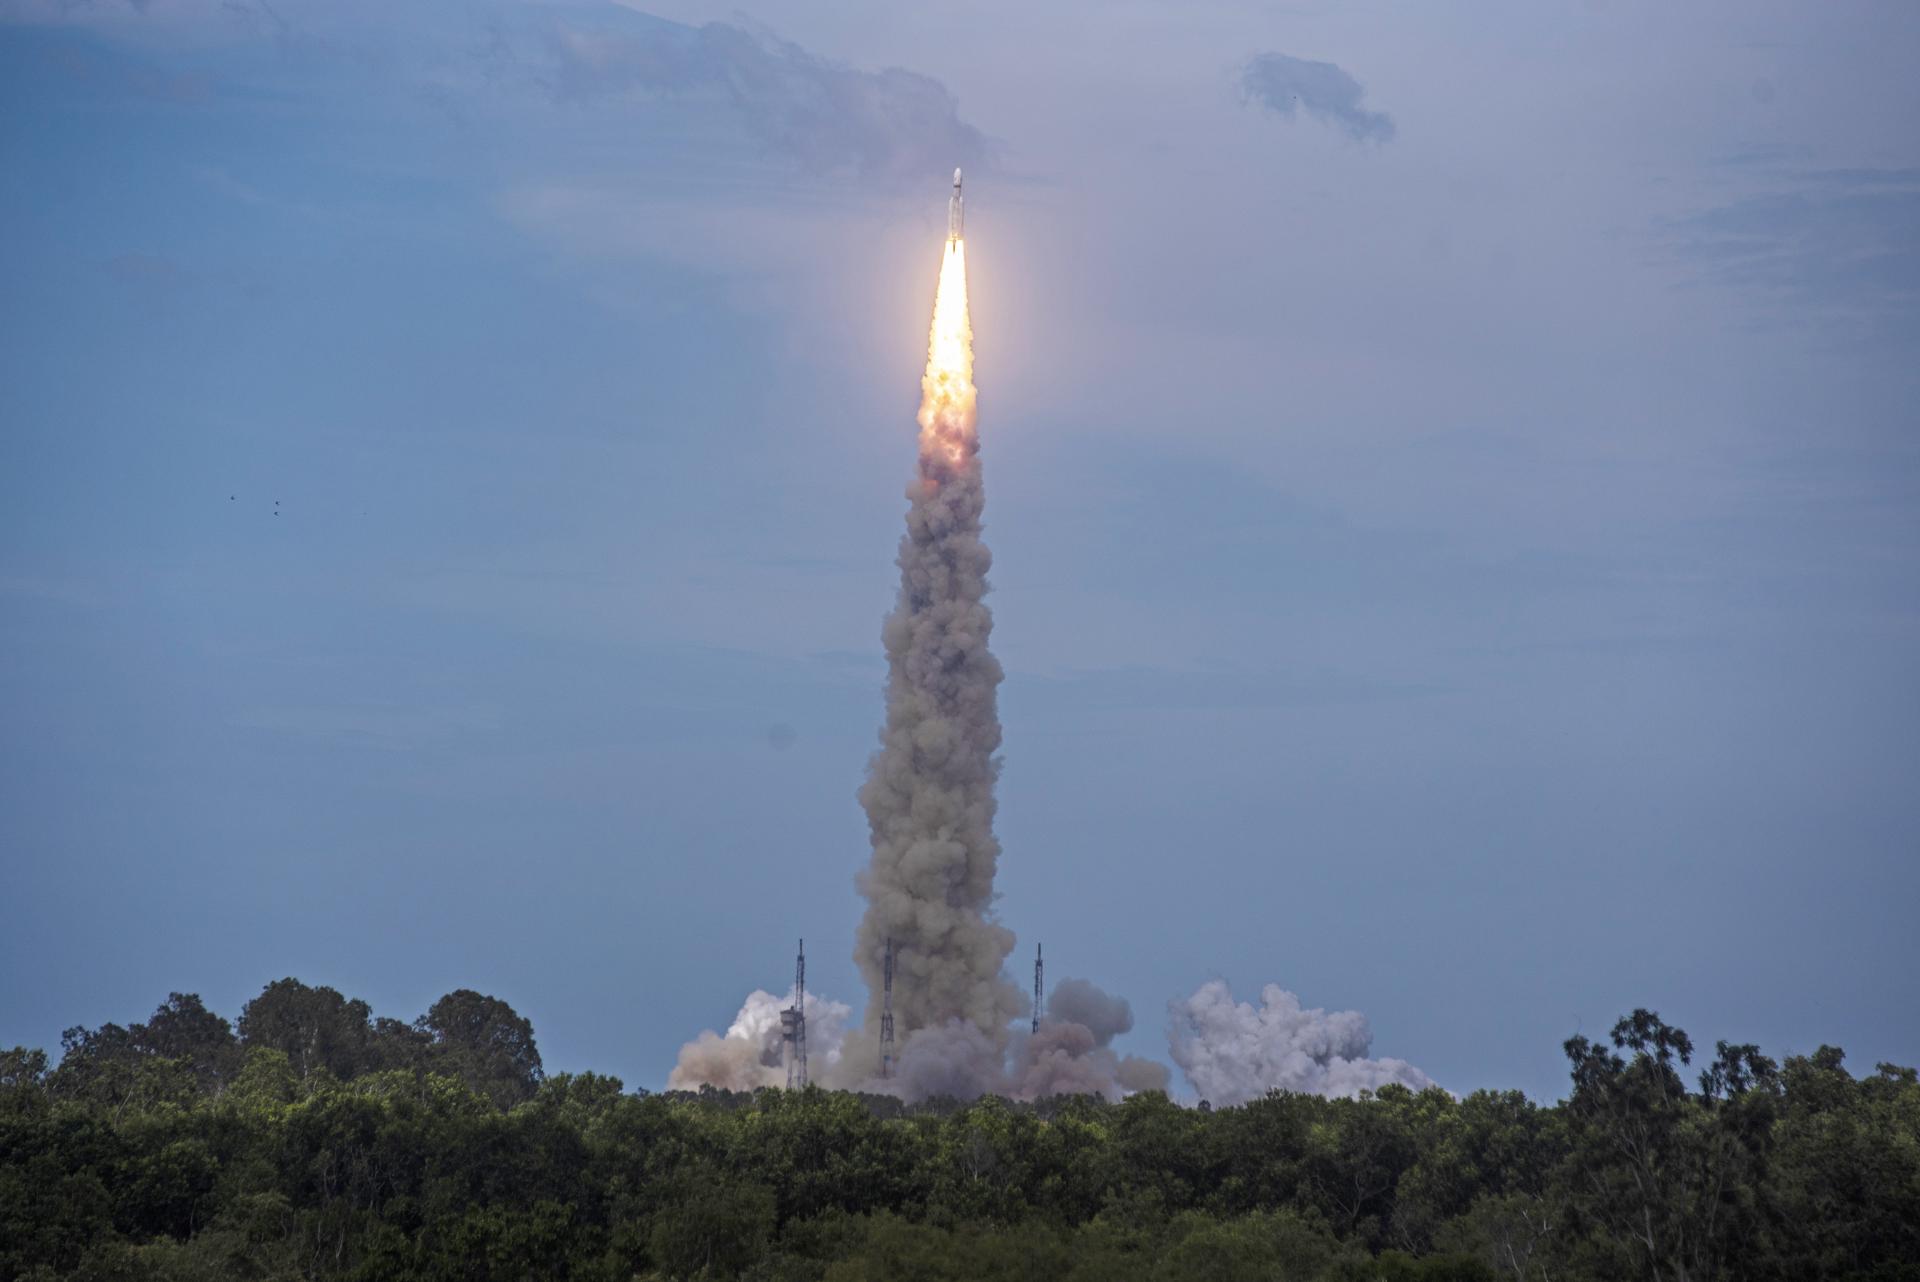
column 317, row 1028
column 1668, row 1177
column 184, row 1029
column 483, row 1041
column 1848, row 1166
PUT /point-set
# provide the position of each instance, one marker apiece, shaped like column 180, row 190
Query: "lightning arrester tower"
column 886, row 1012
column 793, row 1024
column 1037, row 968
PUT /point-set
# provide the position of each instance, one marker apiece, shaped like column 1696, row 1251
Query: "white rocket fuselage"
column 956, row 211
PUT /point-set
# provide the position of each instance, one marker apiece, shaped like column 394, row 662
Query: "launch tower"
column 793, row 1024
column 1037, row 970
column 886, row 1013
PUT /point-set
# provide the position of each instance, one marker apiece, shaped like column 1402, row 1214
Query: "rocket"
column 956, row 211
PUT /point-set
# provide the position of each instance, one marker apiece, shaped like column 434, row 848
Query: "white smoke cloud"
column 1233, row 1053
column 750, row 1055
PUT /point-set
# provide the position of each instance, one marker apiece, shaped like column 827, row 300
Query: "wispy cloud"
column 1287, row 86
column 821, row 115
column 1833, row 246
column 797, row 106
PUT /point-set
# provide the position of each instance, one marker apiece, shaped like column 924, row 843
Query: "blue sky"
column 1452, row 474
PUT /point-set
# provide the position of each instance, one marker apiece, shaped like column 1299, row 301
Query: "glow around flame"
column 946, row 390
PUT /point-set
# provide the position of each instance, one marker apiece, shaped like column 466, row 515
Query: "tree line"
column 310, row 1140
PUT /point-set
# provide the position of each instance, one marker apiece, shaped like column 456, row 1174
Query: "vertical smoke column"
column 929, row 789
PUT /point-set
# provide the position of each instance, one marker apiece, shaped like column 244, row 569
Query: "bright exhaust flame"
column 946, row 390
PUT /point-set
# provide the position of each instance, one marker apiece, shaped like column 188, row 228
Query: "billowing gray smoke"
column 1071, row 1055
column 953, row 1059
column 929, row 790
column 1077, row 1001
column 1233, row 1053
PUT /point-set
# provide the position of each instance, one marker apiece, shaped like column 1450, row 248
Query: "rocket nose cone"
column 956, row 177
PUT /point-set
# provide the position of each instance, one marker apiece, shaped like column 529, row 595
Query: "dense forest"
column 312, row 1140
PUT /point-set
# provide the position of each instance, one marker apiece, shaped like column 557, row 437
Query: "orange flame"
column 946, row 390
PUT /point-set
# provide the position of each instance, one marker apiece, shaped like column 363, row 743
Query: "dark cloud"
column 824, row 116
column 1837, row 247
column 1286, row 85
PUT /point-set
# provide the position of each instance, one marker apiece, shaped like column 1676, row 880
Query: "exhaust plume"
column 1233, row 1053
column 929, row 798
column 929, row 790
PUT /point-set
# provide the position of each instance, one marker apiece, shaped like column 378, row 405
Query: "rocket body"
column 956, row 211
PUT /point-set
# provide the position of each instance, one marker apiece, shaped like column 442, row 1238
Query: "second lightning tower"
column 886, row 1013
column 1037, row 968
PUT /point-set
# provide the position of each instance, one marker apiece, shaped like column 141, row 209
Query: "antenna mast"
column 793, row 1024
column 1038, row 965
column 886, row 1013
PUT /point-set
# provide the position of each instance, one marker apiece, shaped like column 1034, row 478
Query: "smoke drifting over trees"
column 1071, row 1055
column 1066, row 1057
column 956, row 1060
column 1233, row 1053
